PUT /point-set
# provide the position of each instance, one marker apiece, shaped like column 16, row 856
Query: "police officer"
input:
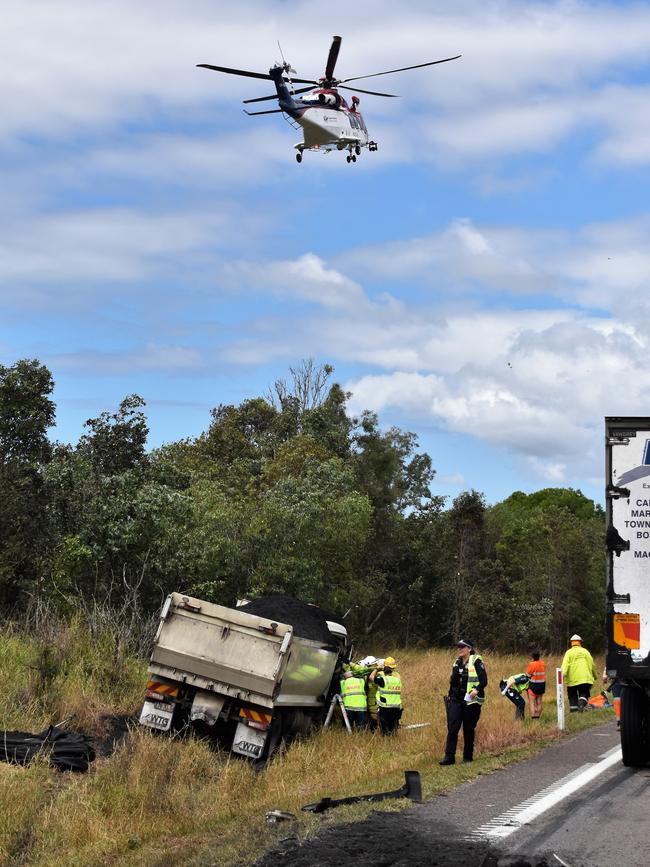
column 464, row 701
column 353, row 693
column 389, row 696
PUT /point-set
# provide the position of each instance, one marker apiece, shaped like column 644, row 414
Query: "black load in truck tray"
column 308, row 621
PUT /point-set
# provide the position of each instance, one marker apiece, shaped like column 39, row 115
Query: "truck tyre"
column 635, row 739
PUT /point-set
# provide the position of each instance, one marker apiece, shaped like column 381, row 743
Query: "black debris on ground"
column 308, row 621
column 113, row 729
column 391, row 840
column 66, row 751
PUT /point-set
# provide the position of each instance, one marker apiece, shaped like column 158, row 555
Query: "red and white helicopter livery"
column 327, row 121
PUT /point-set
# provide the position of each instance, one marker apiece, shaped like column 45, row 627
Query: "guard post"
column 559, row 687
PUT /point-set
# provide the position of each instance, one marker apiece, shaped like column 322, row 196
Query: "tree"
column 550, row 548
column 26, row 413
column 117, row 441
column 462, row 588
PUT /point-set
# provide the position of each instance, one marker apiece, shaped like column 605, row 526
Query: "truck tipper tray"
column 221, row 649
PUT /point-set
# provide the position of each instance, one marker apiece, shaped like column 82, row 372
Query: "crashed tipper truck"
column 249, row 678
column 627, row 470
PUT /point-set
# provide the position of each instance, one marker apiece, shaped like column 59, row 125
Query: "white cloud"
column 305, row 278
column 534, row 380
column 150, row 357
column 529, row 73
column 103, row 245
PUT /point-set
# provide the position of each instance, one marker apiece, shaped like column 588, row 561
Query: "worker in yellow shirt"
column 579, row 673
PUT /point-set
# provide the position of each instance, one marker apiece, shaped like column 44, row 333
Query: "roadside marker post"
column 559, row 686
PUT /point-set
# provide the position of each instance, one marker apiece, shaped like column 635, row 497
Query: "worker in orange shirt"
column 536, row 671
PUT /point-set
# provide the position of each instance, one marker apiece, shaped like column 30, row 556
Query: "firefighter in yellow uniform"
column 353, row 693
column 389, row 696
column 579, row 674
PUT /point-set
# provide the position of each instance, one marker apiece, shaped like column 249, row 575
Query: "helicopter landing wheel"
column 298, row 157
column 357, row 151
column 354, row 159
column 348, row 158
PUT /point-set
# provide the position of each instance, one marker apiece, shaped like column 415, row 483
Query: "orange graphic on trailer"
column 627, row 630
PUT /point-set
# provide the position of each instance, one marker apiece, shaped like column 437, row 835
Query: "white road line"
column 510, row 821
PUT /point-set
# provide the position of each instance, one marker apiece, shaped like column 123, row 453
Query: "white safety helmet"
column 369, row 660
column 575, row 637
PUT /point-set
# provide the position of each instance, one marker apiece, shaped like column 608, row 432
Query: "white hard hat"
column 575, row 637
column 369, row 660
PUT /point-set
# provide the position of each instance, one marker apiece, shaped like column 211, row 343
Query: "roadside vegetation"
column 284, row 493
column 160, row 799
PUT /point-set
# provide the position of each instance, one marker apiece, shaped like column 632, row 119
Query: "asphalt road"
column 601, row 823
column 573, row 804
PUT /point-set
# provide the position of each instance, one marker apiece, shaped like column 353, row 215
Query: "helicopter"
column 328, row 122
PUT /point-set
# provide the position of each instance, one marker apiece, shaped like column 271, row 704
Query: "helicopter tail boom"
column 286, row 101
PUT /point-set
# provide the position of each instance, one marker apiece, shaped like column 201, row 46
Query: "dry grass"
column 160, row 800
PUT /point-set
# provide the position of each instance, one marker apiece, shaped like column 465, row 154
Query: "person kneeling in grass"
column 512, row 688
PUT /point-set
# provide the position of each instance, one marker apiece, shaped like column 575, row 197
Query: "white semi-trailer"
column 247, row 677
column 627, row 468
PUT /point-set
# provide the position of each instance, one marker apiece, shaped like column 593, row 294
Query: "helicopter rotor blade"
column 332, row 57
column 248, row 74
column 260, row 98
column 372, row 92
column 275, row 96
column 244, row 72
column 403, row 68
column 271, row 111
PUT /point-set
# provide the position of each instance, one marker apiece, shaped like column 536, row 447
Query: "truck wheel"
column 298, row 724
column 635, row 739
column 273, row 741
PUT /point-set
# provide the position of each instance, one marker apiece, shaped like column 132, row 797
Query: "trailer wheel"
column 635, row 738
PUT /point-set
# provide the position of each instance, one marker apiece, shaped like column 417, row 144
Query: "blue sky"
column 480, row 280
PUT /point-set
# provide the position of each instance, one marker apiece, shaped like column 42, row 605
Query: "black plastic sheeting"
column 307, row 620
column 67, row 751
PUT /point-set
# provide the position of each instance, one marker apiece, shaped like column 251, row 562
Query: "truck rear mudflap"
column 159, row 705
column 252, row 732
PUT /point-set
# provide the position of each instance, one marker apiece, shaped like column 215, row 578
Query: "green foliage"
column 26, row 412
column 116, row 441
column 285, row 493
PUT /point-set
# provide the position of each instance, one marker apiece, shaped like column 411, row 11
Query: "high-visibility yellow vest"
column 472, row 677
column 353, row 693
column 372, row 696
column 522, row 686
column 390, row 694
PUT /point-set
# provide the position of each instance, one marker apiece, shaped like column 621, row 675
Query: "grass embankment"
column 159, row 800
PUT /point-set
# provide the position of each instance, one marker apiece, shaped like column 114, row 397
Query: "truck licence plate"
column 248, row 741
column 157, row 715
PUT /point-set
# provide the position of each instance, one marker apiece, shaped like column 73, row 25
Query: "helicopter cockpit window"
column 328, row 99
